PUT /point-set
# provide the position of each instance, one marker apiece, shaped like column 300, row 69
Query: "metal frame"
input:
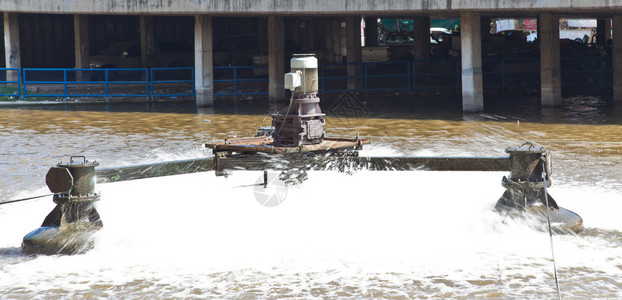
column 18, row 81
column 107, row 82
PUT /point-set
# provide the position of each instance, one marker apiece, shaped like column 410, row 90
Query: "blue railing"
column 11, row 82
column 171, row 82
column 436, row 68
column 587, row 67
column 238, row 76
column 391, row 76
column 59, row 82
column 501, row 73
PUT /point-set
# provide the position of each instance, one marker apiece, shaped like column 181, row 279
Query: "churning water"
column 415, row 234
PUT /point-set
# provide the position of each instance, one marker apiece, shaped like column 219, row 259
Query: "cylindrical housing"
column 83, row 176
column 308, row 66
column 526, row 163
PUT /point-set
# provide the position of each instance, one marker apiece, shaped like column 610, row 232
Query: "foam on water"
column 371, row 234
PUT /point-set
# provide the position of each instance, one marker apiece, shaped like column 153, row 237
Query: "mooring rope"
column 548, row 217
column 25, row 199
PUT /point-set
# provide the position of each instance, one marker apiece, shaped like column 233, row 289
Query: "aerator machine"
column 526, row 189
column 70, row 227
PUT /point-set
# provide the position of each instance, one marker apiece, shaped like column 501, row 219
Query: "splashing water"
column 366, row 235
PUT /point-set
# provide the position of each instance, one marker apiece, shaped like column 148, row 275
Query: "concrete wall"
column 310, row 7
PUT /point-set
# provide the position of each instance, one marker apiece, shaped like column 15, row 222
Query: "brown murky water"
column 585, row 139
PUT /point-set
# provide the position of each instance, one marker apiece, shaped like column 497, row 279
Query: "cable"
column 548, row 217
column 291, row 99
column 24, row 199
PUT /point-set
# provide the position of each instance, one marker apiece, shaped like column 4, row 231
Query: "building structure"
column 35, row 32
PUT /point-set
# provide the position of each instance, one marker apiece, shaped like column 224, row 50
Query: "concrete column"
column 471, row 49
column 354, row 54
column 421, row 32
column 336, row 40
column 203, row 61
column 371, row 31
column 147, row 44
column 421, row 45
column 550, row 63
column 617, row 58
column 12, row 55
column 81, row 45
column 276, row 59
column 601, row 36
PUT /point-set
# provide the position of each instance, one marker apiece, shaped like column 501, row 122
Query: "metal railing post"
column 150, row 83
column 414, row 74
column 24, row 84
column 65, row 83
column 107, row 86
column 235, row 83
column 19, row 84
column 408, row 79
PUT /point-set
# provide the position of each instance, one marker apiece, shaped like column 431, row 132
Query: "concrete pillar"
column 276, row 59
column 617, row 58
column 601, row 36
column 371, row 31
column 550, row 63
column 203, row 61
column 335, row 33
column 147, row 44
column 421, row 42
column 471, row 49
column 12, row 55
column 81, row 45
column 354, row 54
column 421, row 39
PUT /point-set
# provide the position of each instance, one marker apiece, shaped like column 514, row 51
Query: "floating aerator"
column 69, row 227
column 530, row 171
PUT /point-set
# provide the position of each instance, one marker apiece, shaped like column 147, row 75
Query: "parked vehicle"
column 399, row 46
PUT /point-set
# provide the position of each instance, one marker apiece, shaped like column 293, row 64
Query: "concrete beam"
column 471, row 50
column 203, row 61
column 550, row 63
column 147, row 44
column 81, row 45
column 307, row 7
column 617, row 58
column 276, row 59
column 12, row 56
column 354, row 53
